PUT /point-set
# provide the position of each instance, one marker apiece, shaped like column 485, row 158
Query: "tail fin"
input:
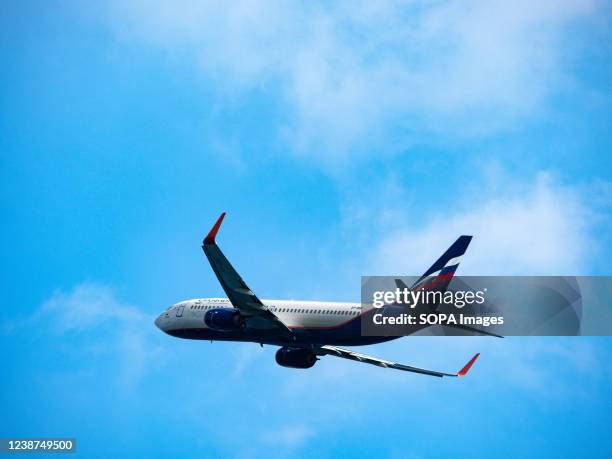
column 439, row 275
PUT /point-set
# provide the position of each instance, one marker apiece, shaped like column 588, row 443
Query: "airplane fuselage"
column 311, row 323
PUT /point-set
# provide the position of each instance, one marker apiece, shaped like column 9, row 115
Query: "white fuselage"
column 295, row 314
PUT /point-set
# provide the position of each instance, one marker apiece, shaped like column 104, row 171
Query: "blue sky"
column 342, row 140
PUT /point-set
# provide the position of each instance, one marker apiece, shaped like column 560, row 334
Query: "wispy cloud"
column 245, row 356
column 528, row 228
column 288, row 436
column 353, row 74
column 93, row 320
column 86, row 306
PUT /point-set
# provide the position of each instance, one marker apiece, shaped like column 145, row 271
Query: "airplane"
column 304, row 330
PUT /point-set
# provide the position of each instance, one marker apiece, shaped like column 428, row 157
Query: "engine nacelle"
column 224, row 319
column 295, row 357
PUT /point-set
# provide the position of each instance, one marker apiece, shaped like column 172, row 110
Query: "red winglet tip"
column 467, row 367
column 210, row 239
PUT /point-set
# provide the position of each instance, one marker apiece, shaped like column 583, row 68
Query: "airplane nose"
column 158, row 322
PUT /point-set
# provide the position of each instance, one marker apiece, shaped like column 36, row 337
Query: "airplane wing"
column 346, row 354
column 240, row 295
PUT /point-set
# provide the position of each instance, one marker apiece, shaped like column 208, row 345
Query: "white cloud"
column 100, row 325
column 86, row 306
column 527, row 229
column 355, row 73
column 288, row 436
column 245, row 356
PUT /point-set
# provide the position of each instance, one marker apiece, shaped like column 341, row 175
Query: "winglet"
column 210, row 239
column 467, row 367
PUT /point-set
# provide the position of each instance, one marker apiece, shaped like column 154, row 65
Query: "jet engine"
column 295, row 357
column 224, row 319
